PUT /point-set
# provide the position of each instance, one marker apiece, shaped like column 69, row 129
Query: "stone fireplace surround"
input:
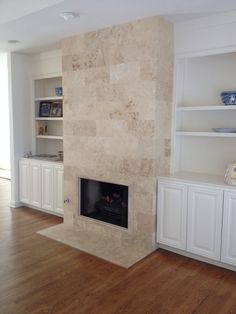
column 117, row 85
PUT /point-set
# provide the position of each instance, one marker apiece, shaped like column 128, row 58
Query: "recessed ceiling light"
column 69, row 15
column 13, row 41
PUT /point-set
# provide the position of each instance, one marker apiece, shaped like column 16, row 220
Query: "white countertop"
column 47, row 159
column 201, row 178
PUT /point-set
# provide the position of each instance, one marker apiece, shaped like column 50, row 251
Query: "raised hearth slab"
column 93, row 244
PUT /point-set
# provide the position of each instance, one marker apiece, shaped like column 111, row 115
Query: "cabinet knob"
column 66, row 200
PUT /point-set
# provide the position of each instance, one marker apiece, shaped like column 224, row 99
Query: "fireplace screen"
column 104, row 201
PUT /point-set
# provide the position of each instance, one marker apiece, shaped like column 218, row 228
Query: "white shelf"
column 207, row 108
column 50, row 137
column 49, row 98
column 49, row 119
column 201, row 178
column 205, row 134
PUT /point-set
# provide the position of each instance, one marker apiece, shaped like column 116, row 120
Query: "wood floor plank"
column 42, row 276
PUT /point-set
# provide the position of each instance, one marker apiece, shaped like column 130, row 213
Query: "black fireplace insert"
column 104, row 201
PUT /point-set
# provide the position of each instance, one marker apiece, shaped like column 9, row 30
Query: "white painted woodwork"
column 206, row 134
column 206, row 35
column 171, row 216
column 41, row 184
column 24, row 181
column 47, row 186
column 205, row 65
column 50, row 137
column 209, row 214
column 204, row 221
column 58, row 189
column 198, row 109
column 206, row 108
column 51, row 98
column 35, row 184
column 47, row 64
column 228, row 254
column 44, row 90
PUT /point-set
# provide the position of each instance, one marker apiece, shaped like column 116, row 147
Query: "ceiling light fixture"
column 13, row 41
column 69, row 15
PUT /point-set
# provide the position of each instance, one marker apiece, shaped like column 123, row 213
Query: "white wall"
column 207, row 35
column 4, row 114
column 20, row 90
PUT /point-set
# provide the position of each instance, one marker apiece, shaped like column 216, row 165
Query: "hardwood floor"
column 39, row 275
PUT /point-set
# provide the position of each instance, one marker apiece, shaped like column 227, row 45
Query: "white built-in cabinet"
column 24, row 186
column 35, row 183
column 41, row 185
column 228, row 254
column 204, row 221
column 47, row 186
column 197, row 218
column 171, row 223
column 200, row 155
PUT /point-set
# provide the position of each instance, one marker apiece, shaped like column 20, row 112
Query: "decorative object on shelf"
column 42, row 128
column 225, row 130
column 58, row 91
column 56, row 110
column 60, row 155
column 44, row 109
column 228, row 98
column 230, row 174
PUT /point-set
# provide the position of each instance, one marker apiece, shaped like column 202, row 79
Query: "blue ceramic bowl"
column 228, row 98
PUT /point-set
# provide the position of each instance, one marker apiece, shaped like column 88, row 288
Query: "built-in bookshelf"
column 199, row 110
column 48, row 115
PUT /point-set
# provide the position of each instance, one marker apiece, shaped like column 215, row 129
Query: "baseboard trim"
column 197, row 257
column 43, row 210
column 15, row 204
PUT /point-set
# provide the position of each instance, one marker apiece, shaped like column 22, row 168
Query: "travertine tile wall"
column 117, row 120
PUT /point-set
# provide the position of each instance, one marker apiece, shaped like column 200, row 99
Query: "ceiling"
column 38, row 26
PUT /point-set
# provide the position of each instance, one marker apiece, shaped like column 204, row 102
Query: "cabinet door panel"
column 24, row 181
column 35, row 184
column 171, row 214
column 47, row 187
column 228, row 254
column 58, row 189
column 204, row 221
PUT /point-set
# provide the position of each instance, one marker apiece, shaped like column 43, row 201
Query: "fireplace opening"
column 104, row 201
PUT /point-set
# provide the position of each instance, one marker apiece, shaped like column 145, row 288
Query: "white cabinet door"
column 58, row 189
column 204, row 221
column 35, row 184
column 172, row 214
column 24, row 181
column 228, row 254
column 47, row 186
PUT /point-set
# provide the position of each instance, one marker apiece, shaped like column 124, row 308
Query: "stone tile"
column 142, row 167
column 99, row 73
column 72, row 45
column 141, row 129
column 124, row 72
column 81, row 127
